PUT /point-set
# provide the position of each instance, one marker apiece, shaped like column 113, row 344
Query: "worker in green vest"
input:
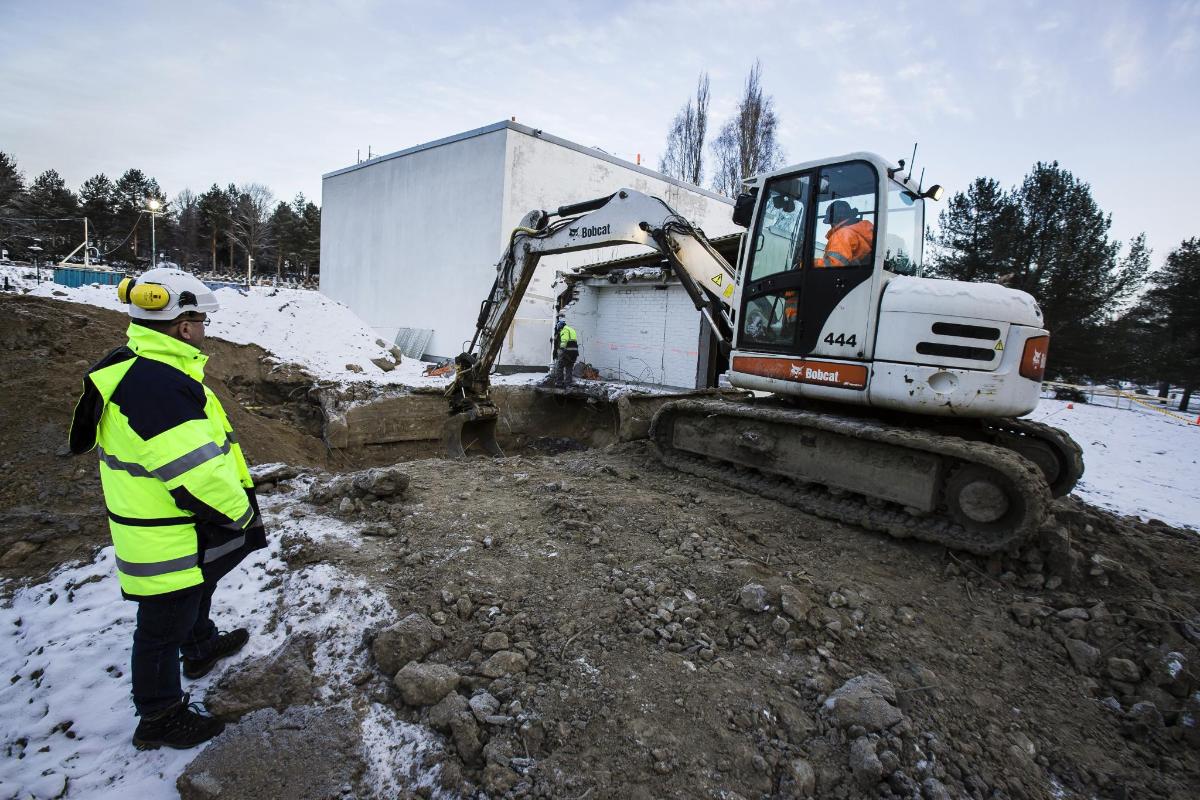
column 180, row 500
column 566, row 353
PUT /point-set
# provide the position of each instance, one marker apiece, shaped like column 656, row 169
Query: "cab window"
column 846, row 216
column 905, row 231
column 779, row 238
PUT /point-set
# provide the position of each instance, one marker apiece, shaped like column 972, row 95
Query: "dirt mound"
column 50, row 503
column 605, row 628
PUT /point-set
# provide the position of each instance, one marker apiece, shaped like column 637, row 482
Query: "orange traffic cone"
column 1198, row 419
column 1070, row 405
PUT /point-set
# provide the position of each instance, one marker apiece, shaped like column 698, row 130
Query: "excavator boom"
column 624, row 217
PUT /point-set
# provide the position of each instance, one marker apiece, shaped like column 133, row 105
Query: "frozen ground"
column 1137, row 460
column 65, row 649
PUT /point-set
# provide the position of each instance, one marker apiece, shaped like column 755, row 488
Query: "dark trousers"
column 166, row 628
column 564, row 366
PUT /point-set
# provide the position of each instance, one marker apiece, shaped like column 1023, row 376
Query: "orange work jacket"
column 848, row 244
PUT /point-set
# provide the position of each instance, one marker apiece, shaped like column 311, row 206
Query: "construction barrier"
column 1155, row 403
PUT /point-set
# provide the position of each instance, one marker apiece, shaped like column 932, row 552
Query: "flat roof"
column 537, row 133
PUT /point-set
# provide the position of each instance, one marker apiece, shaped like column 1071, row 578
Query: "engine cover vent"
column 955, row 351
column 966, row 331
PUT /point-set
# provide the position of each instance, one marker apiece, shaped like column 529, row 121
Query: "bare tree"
column 252, row 221
column 684, row 158
column 746, row 145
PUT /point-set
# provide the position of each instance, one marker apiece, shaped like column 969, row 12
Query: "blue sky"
column 281, row 92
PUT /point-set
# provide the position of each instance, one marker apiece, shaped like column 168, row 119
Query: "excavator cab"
column 814, row 243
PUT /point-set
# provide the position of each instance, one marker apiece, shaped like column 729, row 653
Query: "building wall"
column 411, row 239
column 638, row 332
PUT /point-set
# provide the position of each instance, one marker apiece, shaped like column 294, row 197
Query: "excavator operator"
column 848, row 242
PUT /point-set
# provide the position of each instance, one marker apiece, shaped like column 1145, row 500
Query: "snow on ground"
column 66, row 715
column 298, row 326
column 1137, row 460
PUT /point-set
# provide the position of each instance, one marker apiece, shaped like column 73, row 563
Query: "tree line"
column 1110, row 317
column 238, row 229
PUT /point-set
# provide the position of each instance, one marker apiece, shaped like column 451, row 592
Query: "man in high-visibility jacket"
column 181, row 505
column 848, row 243
column 566, row 346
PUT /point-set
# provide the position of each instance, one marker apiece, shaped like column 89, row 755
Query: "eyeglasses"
column 205, row 321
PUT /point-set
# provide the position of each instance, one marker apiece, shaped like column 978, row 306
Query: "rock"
column 780, row 625
column 494, row 641
column 346, row 505
column 425, row 684
column 410, row 639
column 753, row 597
column 353, row 368
column 864, row 764
column 1145, row 719
column 504, row 662
column 1083, row 655
column 1026, row 613
column 397, row 354
column 796, row 604
column 383, row 482
column 281, row 679
column 1189, row 719
column 906, row 616
column 465, row 731
column 932, row 789
column 836, row 600
column 305, row 752
column 483, row 705
column 804, row 778
column 18, row 553
column 1124, row 670
column 795, row 721
column 499, row 779
column 1073, row 613
column 867, row 700
column 443, row 713
column 1169, row 670
column 384, row 364
column 273, row 473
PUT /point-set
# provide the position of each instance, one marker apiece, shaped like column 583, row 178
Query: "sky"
column 281, row 92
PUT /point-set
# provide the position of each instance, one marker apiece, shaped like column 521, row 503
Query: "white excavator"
column 893, row 399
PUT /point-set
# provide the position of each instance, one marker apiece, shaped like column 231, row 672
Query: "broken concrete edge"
column 526, row 412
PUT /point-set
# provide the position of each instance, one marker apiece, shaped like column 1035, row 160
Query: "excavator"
column 875, row 397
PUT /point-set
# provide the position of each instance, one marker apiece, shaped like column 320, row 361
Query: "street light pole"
column 153, row 205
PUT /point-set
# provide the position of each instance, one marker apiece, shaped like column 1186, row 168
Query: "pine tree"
column 213, row 211
column 49, row 199
column 283, row 241
column 12, row 185
column 132, row 192
column 97, row 201
column 1169, row 313
column 1047, row 237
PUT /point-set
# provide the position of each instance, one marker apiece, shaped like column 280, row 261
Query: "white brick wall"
column 637, row 332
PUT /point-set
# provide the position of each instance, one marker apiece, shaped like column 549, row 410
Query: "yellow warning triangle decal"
column 999, row 345
column 718, row 278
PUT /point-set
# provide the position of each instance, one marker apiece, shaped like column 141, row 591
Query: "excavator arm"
column 625, row 217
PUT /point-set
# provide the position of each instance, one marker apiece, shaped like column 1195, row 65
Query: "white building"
column 410, row 240
column 637, row 324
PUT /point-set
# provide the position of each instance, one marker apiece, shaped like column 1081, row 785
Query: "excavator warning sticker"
column 821, row 373
column 718, row 279
column 728, row 293
column 999, row 346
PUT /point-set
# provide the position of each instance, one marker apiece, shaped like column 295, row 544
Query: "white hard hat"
column 165, row 293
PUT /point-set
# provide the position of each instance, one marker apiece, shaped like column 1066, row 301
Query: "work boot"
column 225, row 645
column 181, row 726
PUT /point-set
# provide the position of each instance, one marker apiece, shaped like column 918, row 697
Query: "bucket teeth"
column 475, row 427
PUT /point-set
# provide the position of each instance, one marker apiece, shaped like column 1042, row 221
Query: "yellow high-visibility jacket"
column 180, row 500
column 568, row 339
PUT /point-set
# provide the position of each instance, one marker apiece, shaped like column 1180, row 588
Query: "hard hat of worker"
column 165, row 293
column 839, row 211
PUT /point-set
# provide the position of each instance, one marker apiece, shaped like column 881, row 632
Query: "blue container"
column 77, row 276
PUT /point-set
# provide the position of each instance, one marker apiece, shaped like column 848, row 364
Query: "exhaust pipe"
column 475, row 427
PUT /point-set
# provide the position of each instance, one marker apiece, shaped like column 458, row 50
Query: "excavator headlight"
column 1033, row 360
column 934, row 192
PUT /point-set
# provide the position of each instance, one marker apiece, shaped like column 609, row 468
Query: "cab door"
column 837, row 287
column 770, row 318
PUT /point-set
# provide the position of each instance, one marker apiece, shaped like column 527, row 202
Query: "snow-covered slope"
column 1137, row 460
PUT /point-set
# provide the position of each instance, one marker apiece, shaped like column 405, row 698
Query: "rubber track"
column 852, row 509
column 1058, row 439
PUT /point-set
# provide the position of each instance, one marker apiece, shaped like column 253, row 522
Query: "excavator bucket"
column 475, row 427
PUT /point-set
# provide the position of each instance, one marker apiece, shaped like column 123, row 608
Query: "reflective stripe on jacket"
column 179, row 495
column 848, row 244
column 567, row 338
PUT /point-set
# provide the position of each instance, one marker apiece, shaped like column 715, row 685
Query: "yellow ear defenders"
column 150, row 296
